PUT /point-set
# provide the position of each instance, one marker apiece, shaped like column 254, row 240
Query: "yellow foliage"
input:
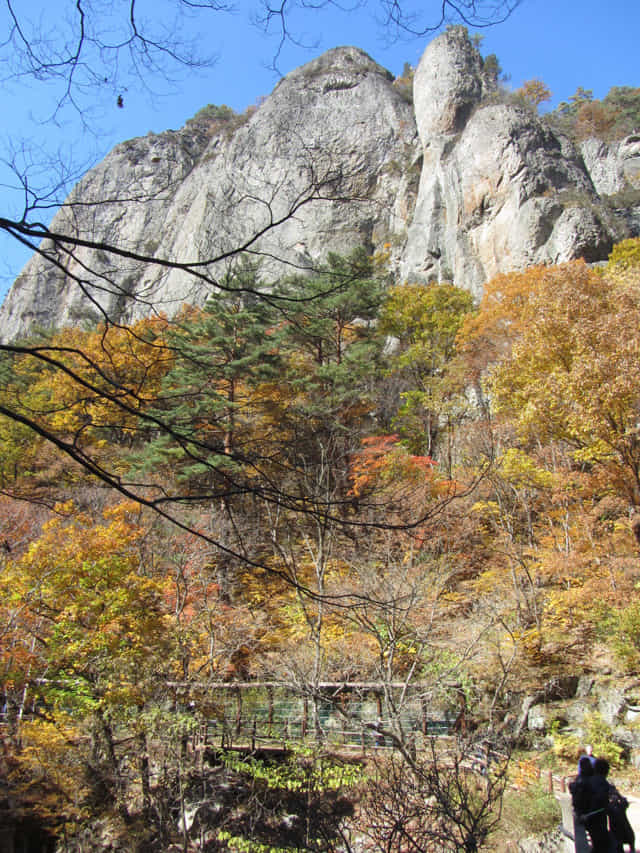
column 50, row 763
column 525, row 772
column 97, row 618
column 519, row 469
column 563, row 351
column 92, row 386
column 534, row 92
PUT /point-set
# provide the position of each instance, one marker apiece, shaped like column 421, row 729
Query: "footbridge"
column 338, row 714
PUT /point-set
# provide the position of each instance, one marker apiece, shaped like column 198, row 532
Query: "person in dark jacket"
column 596, row 819
column 580, row 799
column 588, row 753
column 619, row 825
column 579, row 788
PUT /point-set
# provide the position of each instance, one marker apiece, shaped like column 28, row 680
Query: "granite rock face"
column 319, row 166
column 499, row 190
column 613, row 167
column 457, row 186
column 122, row 202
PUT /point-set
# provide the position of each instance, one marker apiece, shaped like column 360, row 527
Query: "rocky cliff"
column 456, row 186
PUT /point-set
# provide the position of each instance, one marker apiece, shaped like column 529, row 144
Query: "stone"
column 323, row 164
column 611, row 705
column 447, row 85
column 537, row 718
column 585, row 686
column 549, row 842
column 499, row 190
column 613, row 167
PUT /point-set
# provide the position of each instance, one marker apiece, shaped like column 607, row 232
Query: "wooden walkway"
column 575, row 837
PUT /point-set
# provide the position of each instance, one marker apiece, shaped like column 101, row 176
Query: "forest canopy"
column 453, row 512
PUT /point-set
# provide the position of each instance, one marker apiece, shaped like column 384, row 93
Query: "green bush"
column 531, row 811
column 600, row 736
column 214, row 112
column 621, row 628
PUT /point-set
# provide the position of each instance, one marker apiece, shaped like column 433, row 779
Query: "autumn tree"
column 569, row 366
column 613, row 117
column 22, row 449
column 216, row 638
column 534, row 92
column 560, row 372
column 96, row 649
column 576, row 102
column 85, row 391
column 438, row 802
column 424, row 321
column 405, row 587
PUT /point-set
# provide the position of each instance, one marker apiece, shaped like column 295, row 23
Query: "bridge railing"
column 355, row 735
column 348, row 715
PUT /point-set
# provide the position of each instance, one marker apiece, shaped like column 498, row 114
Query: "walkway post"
column 238, row 711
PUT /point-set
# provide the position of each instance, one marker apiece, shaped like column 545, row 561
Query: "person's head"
column 589, row 749
column 601, row 767
column 585, row 768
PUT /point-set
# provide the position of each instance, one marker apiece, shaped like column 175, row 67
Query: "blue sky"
column 566, row 43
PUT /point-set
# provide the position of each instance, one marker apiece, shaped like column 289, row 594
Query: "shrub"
column 625, row 255
column 531, row 810
column 600, row 736
column 621, row 627
column 566, row 746
column 214, row 112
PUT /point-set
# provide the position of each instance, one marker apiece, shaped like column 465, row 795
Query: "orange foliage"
column 383, row 460
column 105, row 378
column 534, row 92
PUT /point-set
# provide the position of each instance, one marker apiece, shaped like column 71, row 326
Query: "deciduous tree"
column 97, row 641
column 425, row 321
column 534, row 92
column 563, row 344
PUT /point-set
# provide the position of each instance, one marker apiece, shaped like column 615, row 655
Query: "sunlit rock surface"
column 458, row 188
